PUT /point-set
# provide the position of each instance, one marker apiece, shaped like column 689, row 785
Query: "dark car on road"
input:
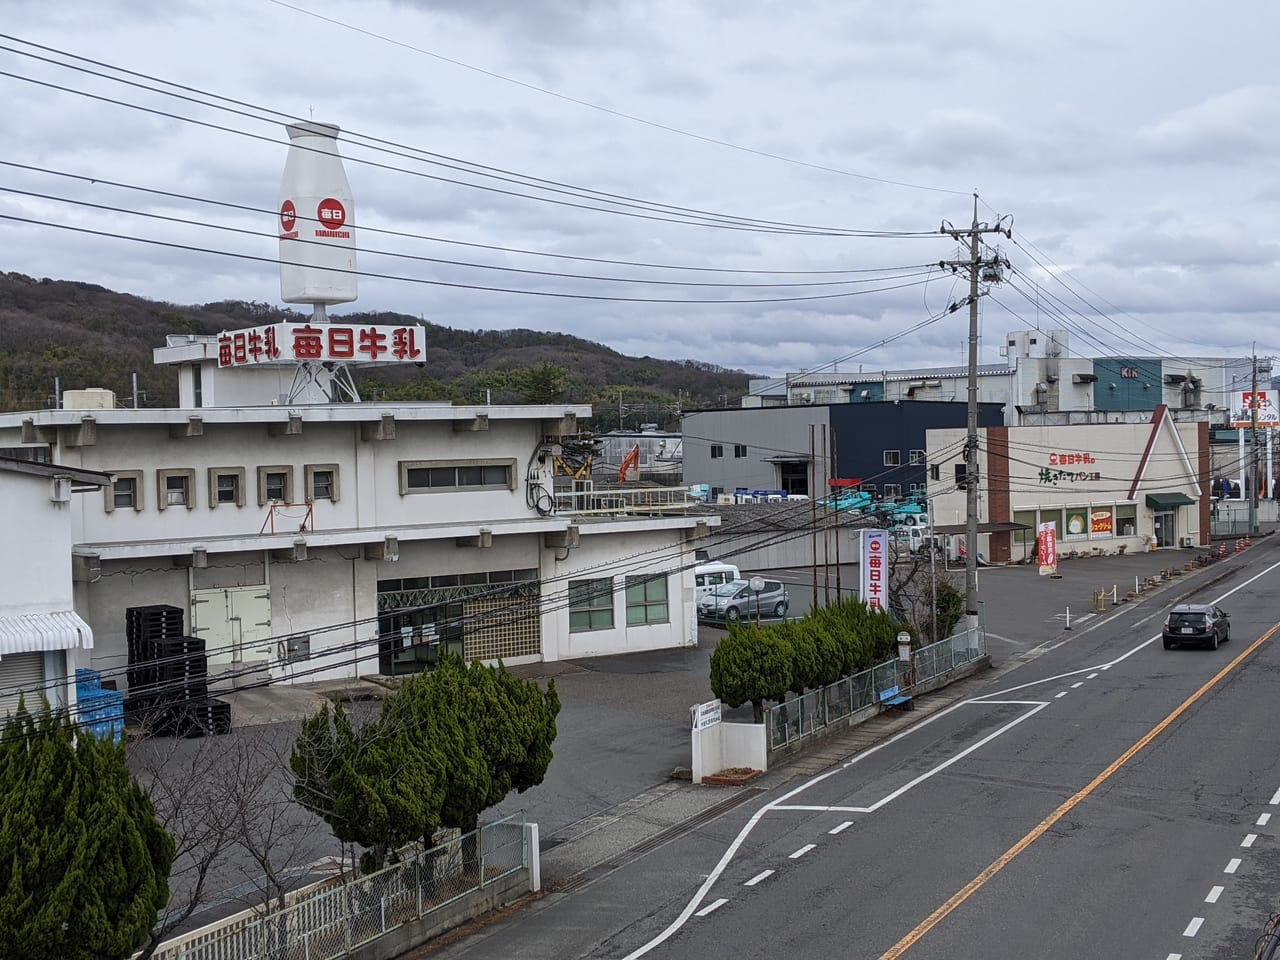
column 1204, row 624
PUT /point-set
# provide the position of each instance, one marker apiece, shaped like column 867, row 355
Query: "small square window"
column 739, row 451
column 892, row 458
column 124, row 493
column 277, row 486
column 916, row 457
column 893, row 489
column 322, row 485
column 717, row 451
column 175, row 491
column 176, row 488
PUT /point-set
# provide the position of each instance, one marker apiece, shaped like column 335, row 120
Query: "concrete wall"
column 36, row 570
column 659, row 551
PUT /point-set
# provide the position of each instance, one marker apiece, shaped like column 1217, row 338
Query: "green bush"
column 751, row 665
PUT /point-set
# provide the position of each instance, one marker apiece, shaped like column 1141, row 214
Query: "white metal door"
column 234, row 622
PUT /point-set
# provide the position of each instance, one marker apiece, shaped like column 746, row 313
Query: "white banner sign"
column 705, row 714
column 873, row 569
column 321, row 342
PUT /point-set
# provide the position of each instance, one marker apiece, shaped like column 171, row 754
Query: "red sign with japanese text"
column 321, row 342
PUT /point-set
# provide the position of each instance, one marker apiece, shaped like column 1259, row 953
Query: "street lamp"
column 757, row 587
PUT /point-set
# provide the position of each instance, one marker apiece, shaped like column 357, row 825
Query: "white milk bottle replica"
column 317, row 220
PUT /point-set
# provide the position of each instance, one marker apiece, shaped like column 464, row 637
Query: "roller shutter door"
column 19, row 673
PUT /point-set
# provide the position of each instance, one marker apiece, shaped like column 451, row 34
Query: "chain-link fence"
column 801, row 716
column 331, row 921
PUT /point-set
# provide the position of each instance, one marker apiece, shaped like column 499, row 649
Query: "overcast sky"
column 1134, row 145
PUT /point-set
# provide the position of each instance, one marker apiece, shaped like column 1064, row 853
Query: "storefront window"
column 1054, row 517
column 1102, row 522
column 1077, row 523
column 1025, row 538
column 1127, row 520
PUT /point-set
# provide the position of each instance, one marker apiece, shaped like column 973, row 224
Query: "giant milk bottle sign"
column 316, row 220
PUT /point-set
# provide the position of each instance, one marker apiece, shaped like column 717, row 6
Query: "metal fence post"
column 383, row 911
column 480, row 843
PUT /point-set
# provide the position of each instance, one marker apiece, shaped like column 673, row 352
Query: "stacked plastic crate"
column 99, row 711
column 171, row 673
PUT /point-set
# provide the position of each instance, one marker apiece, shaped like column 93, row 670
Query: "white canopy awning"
column 36, row 632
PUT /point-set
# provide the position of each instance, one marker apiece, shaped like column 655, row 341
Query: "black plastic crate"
column 195, row 718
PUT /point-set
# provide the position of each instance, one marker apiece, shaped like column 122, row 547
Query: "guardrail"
column 614, row 501
column 328, row 920
column 805, row 715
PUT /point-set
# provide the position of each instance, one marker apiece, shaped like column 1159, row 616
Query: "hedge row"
column 758, row 663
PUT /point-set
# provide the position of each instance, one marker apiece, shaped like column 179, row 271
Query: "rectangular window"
column 893, row 490
column 590, row 605
column 197, row 387
column 429, row 476
column 275, row 483
column 919, row 488
column 125, row 492
column 870, row 488
column 321, row 484
column 892, row 458
column 739, row 451
column 647, row 600
column 717, row 451
column 176, row 488
column 1127, row 520
column 226, row 486
column 916, row 457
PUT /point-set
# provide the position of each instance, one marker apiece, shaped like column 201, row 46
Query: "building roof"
column 51, row 470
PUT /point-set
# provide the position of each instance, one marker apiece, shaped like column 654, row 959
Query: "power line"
column 247, row 208
column 627, row 207
column 638, row 281
column 618, row 113
column 446, row 283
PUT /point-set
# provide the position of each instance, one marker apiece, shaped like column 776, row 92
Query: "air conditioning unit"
column 1186, row 541
column 806, row 398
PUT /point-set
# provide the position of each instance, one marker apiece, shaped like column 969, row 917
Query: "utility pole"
column 986, row 270
column 1253, row 448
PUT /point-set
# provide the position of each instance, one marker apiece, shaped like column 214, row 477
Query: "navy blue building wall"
column 864, row 431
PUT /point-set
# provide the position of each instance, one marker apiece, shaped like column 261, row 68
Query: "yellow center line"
column 970, row 888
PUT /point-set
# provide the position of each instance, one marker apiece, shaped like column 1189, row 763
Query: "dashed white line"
column 1214, row 894
column 1078, row 683
column 1264, row 819
column 1059, row 696
column 802, row 851
column 763, row 874
column 1174, row 956
column 1193, row 927
column 1275, row 798
column 840, row 828
column 713, row 905
column 1092, row 676
column 1248, row 839
column 1233, row 865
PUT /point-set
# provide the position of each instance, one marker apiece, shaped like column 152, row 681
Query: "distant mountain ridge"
column 84, row 335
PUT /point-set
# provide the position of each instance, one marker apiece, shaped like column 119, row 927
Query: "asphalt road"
column 1104, row 798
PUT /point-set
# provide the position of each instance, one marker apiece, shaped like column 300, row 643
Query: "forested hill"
column 84, row 335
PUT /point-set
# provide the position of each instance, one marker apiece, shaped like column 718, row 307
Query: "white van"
column 708, row 576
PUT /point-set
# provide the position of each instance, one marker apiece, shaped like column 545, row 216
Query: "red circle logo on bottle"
column 288, row 216
column 331, row 214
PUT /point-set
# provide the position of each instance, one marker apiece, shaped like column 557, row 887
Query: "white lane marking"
column 1263, row 820
column 1174, row 956
column 1059, row 696
column 1248, row 839
column 841, row 828
column 801, row 852
column 762, row 875
column 1092, row 676
column 712, row 906
column 1275, row 798
column 1193, row 927
column 818, row 808
column 1214, row 894
column 1077, row 684
column 732, row 850
column 1232, row 865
